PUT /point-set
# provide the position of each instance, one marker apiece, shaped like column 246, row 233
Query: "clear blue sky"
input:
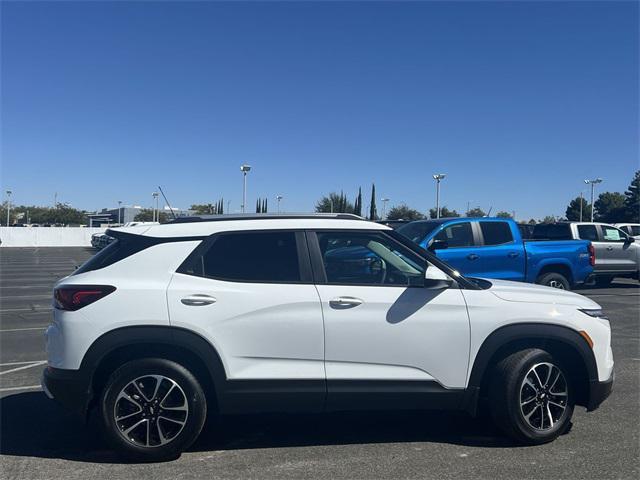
column 517, row 102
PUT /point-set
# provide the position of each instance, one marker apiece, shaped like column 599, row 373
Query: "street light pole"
column 245, row 169
column 119, row 207
column 278, row 198
column 9, row 192
column 593, row 183
column 581, row 201
column 156, row 214
column 384, row 207
column 438, row 177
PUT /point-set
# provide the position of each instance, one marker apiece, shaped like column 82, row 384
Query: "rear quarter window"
column 496, row 233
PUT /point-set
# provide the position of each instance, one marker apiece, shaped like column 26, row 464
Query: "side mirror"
column 630, row 239
column 436, row 278
column 438, row 245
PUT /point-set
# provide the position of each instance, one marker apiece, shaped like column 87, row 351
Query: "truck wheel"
column 152, row 409
column 555, row 280
column 531, row 397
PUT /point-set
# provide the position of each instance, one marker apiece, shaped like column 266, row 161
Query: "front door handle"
column 198, row 300
column 345, row 302
column 513, row 254
column 473, row 256
column 609, row 248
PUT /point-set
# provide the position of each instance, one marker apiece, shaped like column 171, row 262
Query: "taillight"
column 592, row 255
column 74, row 297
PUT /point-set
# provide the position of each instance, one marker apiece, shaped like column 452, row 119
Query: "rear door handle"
column 513, row 254
column 473, row 256
column 198, row 300
column 345, row 302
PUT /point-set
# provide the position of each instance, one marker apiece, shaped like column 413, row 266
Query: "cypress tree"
column 373, row 214
column 265, row 205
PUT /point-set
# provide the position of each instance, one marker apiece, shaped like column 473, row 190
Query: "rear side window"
column 117, row 250
column 496, row 233
column 268, row 257
column 456, row 235
column 588, row 232
column 552, row 231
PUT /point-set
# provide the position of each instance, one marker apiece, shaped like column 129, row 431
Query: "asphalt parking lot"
column 39, row 440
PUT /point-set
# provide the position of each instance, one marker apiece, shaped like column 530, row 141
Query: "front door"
column 463, row 251
column 385, row 332
column 618, row 253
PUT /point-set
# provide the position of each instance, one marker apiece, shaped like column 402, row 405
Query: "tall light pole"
column 278, row 198
column 384, row 207
column 9, row 192
column 156, row 214
column 593, row 183
column 438, row 177
column 581, row 200
column 119, row 207
column 245, row 169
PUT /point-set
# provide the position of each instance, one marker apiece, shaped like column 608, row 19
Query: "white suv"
column 225, row 315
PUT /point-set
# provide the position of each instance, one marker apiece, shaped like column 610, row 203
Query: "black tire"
column 508, row 388
column 179, row 428
column 555, row 280
column 604, row 281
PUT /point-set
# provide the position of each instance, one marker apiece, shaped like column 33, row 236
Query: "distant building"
column 109, row 216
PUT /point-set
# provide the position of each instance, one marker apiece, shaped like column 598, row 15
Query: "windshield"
column 417, row 231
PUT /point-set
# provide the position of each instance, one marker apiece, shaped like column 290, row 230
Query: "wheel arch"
column 116, row 347
column 556, row 266
column 561, row 341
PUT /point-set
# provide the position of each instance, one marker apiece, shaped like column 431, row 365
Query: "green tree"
column 548, row 219
column 573, row 210
column 503, row 214
column 532, row 221
column 609, row 207
column 146, row 215
column 632, row 200
column 373, row 212
column 444, row 213
column 340, row 204
column 476, row 212
column 357, row 209
column 402, row 212
column 203, row 209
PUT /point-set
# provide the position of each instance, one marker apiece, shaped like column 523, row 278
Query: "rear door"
column 502, row 256
column 619, row 255
column 463, row 251
column 251, row 295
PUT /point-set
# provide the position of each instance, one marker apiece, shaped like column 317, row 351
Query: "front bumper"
column 69, row 388
column 599, row 392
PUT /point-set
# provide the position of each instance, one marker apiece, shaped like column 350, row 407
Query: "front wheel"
column 530, row 396
column 554, row 280
column 152, row 409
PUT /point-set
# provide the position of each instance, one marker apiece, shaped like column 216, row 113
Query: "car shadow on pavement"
column 34, row 426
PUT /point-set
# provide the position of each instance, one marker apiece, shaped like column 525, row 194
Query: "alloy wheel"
column 544, row 395
column 151, row 411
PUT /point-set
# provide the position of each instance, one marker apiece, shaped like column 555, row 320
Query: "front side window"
column 612, row 234
column 270, row 257
column 496, row 233
column 456, row 235
column 368, row 258
column 588, row 232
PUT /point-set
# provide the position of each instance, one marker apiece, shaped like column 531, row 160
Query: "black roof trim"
column 266, row 216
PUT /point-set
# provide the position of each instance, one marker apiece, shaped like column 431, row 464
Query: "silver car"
column 617, row 253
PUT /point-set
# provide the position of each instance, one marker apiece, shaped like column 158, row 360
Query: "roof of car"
column 208, row 224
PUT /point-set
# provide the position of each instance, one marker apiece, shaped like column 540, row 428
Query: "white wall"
column 47, row 236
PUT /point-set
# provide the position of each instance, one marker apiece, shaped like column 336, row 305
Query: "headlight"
column 594, row 312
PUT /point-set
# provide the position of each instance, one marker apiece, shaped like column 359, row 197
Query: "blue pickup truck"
column 493, row 248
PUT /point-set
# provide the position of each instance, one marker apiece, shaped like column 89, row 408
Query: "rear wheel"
column 152, row 409
column 530, row 396
column 555, row 280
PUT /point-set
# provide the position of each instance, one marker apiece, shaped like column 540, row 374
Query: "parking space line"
column 34, row 309
column 22, row 329
column 20, row 363
column 14, row 389
column 24, row 367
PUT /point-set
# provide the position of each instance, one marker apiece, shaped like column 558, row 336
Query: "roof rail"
column 265, row 216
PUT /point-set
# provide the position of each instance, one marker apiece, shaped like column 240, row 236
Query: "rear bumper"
column 67, row 387
column 599, row 392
